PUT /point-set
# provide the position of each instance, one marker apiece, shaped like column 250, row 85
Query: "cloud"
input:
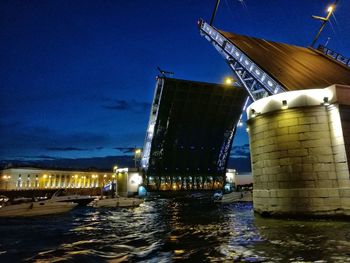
column 35, row 157
column 240, row 151
column 125, row 149
column 64, row 149
column 124, row 105
column 68, row 149
column 36, row 140
column 45, row 157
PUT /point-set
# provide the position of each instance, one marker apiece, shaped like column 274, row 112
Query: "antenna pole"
column 325, row 20
column 214, row 12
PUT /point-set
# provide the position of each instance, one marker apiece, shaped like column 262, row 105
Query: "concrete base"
column 307, row 202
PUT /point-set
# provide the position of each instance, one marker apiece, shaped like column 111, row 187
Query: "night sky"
column 77, row 77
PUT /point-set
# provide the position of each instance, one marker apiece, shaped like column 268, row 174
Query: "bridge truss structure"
column 265, row 68
column 256, row 81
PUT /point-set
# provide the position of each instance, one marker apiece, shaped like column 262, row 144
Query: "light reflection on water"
column 167, row 231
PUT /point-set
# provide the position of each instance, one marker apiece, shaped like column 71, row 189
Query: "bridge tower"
column 298, row 123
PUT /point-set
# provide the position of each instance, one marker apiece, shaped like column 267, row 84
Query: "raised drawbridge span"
column 266, row 68
column 298, row 124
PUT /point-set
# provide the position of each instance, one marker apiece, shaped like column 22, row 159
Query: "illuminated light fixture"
column 284, row 105
column 330, row 8
column 228, row 81
column 325, row 101
column 137, row 151
column 253, row 113
column 136, row 179
column 247, row 129
column 269, row 82
column 240, row 123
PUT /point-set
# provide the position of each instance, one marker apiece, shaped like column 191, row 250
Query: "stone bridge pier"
column 300, row 151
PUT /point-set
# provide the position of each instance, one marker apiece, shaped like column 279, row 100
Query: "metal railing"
column 334, row 55
column 254, row 79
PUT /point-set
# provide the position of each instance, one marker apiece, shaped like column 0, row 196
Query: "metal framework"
column 334, row 55
column 189, row 134
column 249, row 75
column 151, row 123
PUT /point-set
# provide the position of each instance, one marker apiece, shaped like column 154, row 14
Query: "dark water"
column 168, row 231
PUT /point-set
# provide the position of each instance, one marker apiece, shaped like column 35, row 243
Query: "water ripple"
column 169, row 230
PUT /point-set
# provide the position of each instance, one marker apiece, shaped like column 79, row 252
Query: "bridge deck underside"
column 193, row 134
column 294, row 67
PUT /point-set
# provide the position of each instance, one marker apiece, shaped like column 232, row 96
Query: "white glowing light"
column 298, row 98
column 136, row 179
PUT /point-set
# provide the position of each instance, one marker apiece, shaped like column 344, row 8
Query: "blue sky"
column 77, row 77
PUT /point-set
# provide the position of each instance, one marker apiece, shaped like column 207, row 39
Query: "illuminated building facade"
column 128, row 181
column 35, row 178
column 189, row 136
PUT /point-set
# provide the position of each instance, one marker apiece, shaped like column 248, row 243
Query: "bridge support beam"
column 300, row 151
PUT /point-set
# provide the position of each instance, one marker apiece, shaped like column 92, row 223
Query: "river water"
column 166, row 230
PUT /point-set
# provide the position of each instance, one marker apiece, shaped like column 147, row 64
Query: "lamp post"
column 214, row 12
column 137, row 156
column 330, row 11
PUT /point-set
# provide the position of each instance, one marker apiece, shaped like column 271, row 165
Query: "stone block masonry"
column 300, row 155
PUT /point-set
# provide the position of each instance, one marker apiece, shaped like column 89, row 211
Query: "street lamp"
column 228, row 81
column 137, row 156
column 330, row 11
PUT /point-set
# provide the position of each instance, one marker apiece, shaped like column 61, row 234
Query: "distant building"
column 234, row 178
column 128, row 181
column 190, row 133
column 37, row 178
